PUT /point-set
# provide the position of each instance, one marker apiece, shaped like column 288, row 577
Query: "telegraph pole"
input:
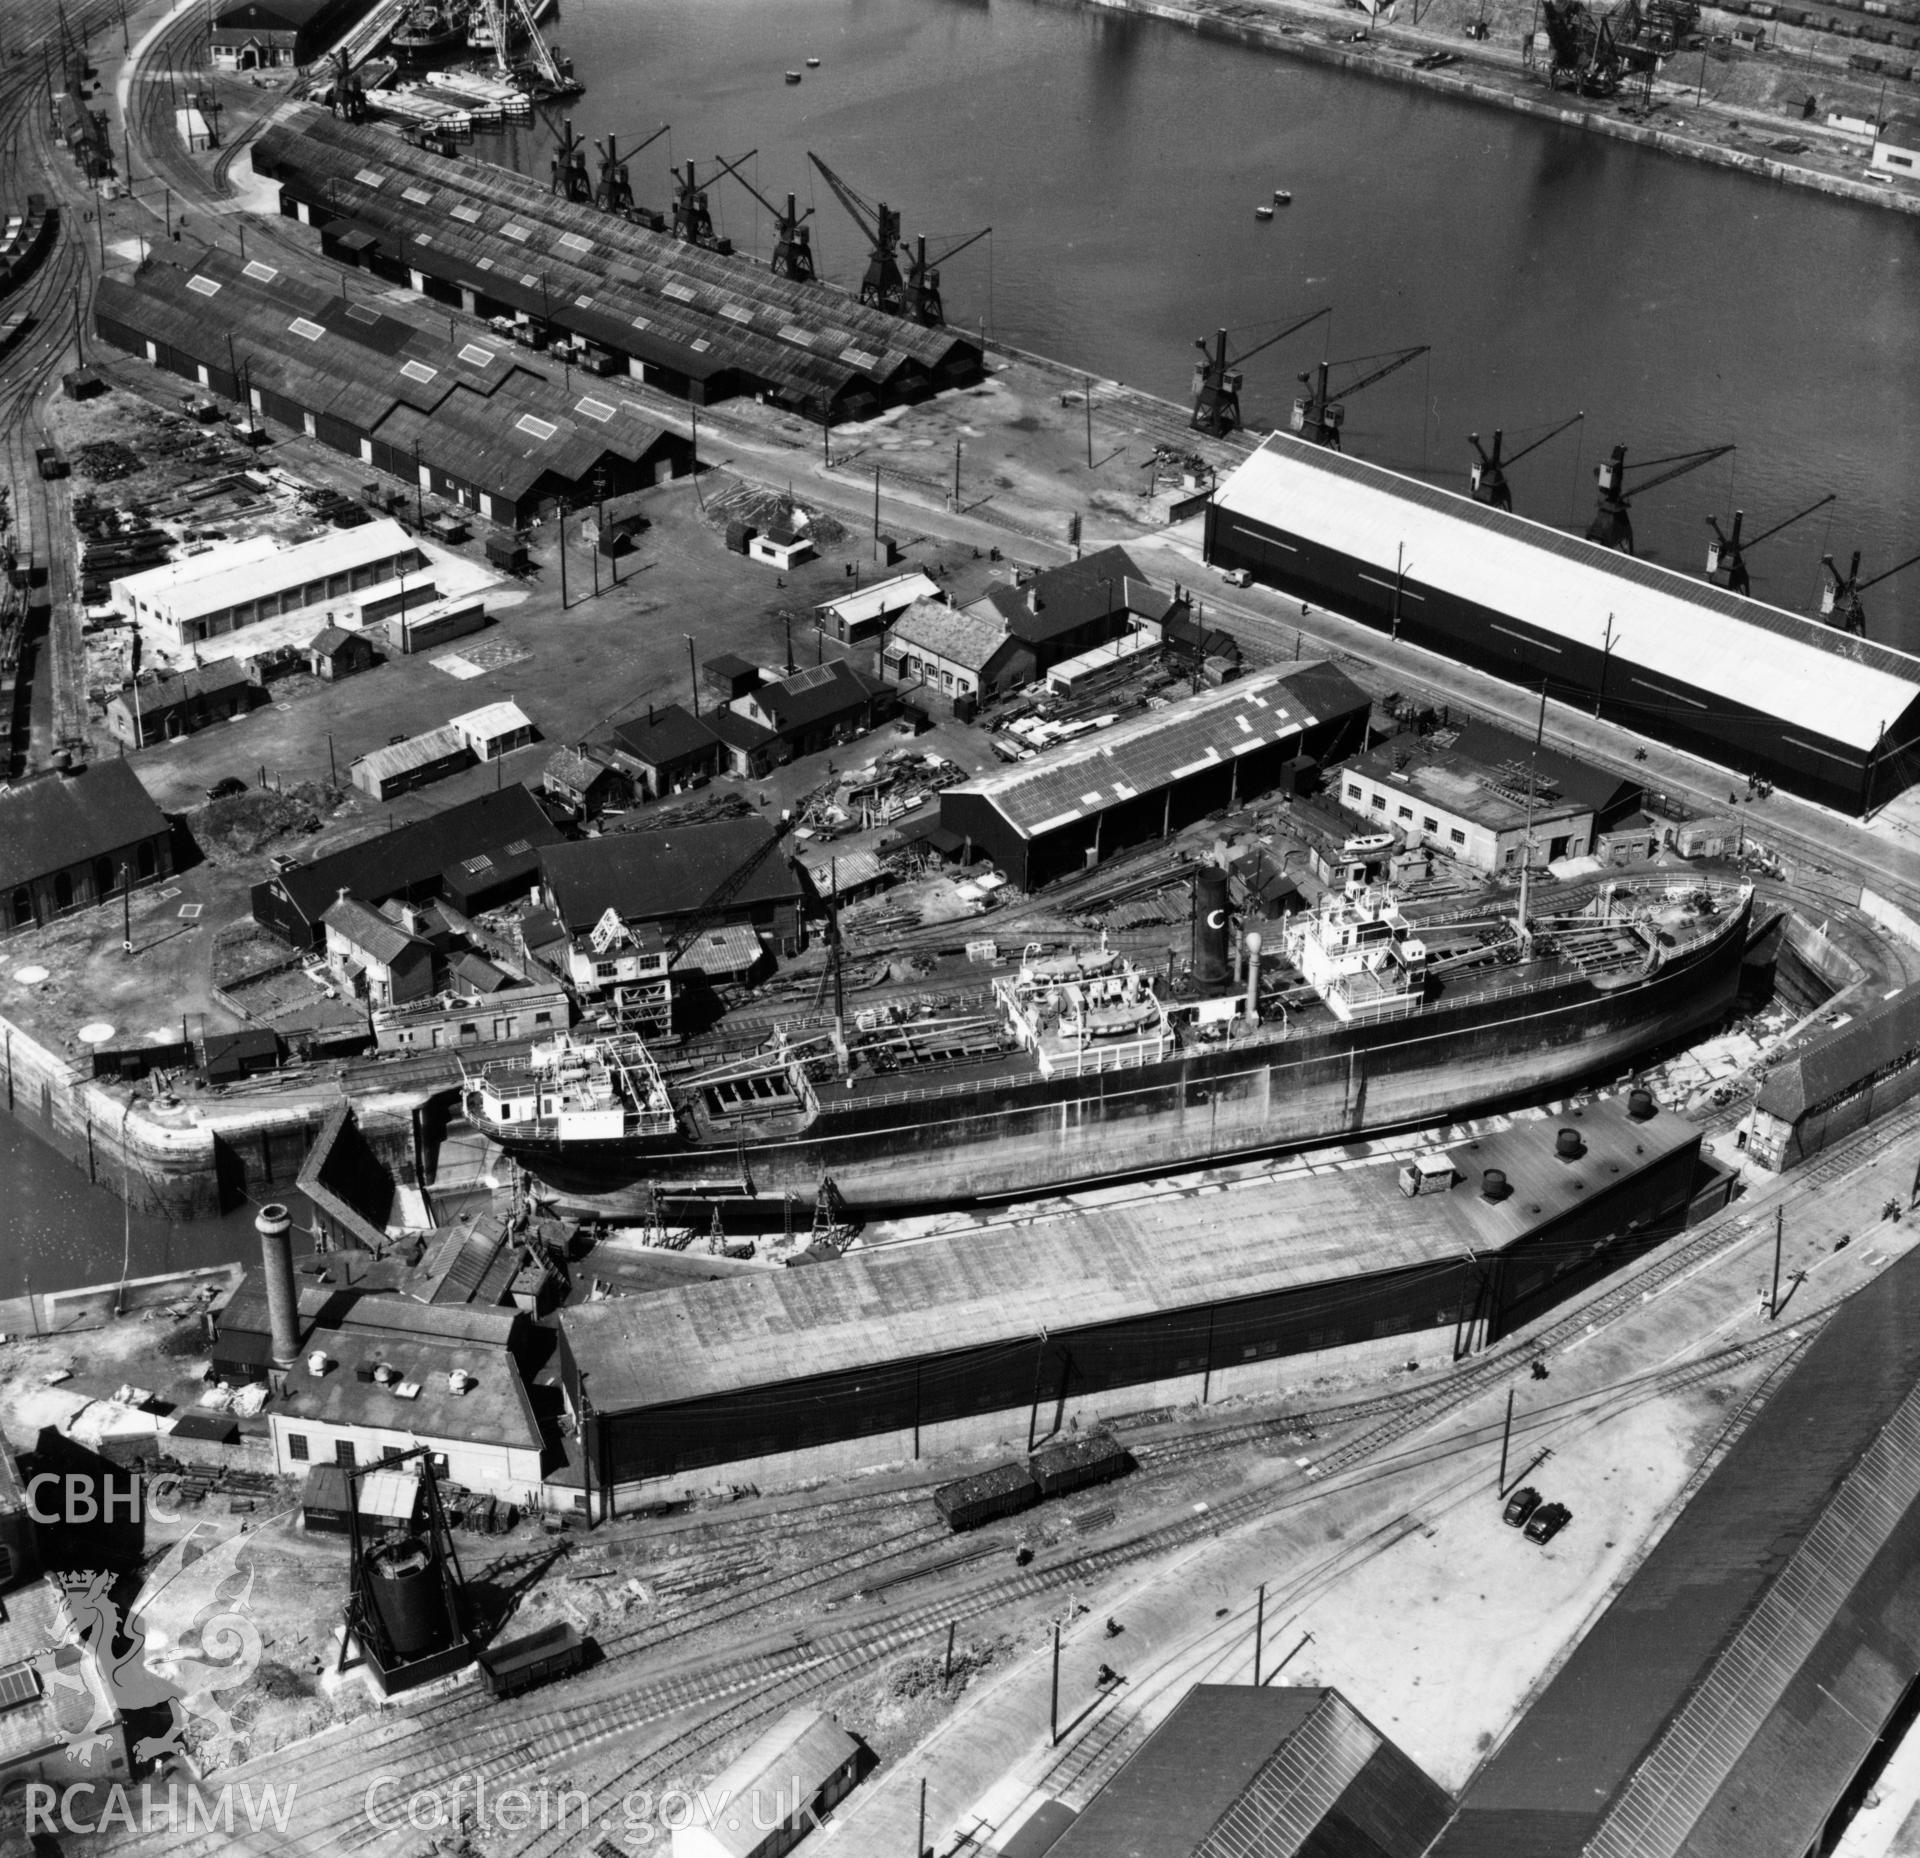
column 1259, row 1631
column 126, row 909
column 1779, row 1226
column 1506, row 1439
column 693, row 672
column 920, row 1843
column 1089, row 381
column 1053, row 1735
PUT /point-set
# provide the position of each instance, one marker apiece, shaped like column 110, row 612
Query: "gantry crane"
column 615, row 192
column 922, row 302
column 792, row 242
column 882, row 286
column 1724, row 552
column 1318, row 417
column 692, row 217
column 1488, row 478
column 1216, row 380
column 569, row 169
column 1840, row 597
column 1612, row 525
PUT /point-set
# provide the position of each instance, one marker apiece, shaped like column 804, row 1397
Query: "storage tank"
column 403, row 1586
column 1210, row 968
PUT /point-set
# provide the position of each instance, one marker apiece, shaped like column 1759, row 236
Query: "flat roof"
column 1179, row 1249
column 1145, row 753
column 1771, row 661
column 153, row 584
column 220, row 580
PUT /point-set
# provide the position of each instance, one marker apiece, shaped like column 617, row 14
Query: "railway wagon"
column 986, row 1496
column 1074, row 1463
column 554, row 1651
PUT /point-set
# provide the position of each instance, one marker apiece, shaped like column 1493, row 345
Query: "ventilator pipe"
column 1253, row 976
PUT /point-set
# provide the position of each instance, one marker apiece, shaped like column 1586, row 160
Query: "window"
column 438, row 1460
column 1406, row 812
column 1457, row 836
column 297, row 1446
column 343, row 1454
column 605, row 970
column 1379, row 803
column 1353, row 791
column 388, row 1453
column 1429, row 825
column 1513, row 852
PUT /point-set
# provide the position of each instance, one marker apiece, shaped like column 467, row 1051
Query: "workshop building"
column 1478, row 794
column 495, row 729
column 865, row 613
column 818, row 707
column 673, row 877
column 936, row 647
column 475, row 854
column 206, row 596
column 1062, row 612
column 265, row 35
column 783, row 1784
column 335, row 652
column 1151, row 775
column 1752, row 687
column 376, row 956
column 1833, row 1080
column 414, row 761
column 667, row 750
column 1741, row 1691
column 1896, row 148
column 1243, row 1769
column 449, row 414
column 916, row 1350
column 586, row 779
column 179, row 703
column 68, row 835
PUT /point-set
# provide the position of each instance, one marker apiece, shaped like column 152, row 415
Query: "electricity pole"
column 1506, row 1439
column 1053, row 1735
column 693, row 672
column 1259, row 1631
column 1779, row 1224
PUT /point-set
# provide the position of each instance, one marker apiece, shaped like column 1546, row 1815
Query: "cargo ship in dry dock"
column 1083, row 1069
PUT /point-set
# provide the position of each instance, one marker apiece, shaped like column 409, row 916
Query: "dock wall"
column 1296, row 37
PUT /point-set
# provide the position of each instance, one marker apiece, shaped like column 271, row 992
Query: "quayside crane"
column 921, row 302
column 345, row 98
column 1217, row 379
column 615, row 192
column 1488, row 478
column 1612, row 525
column 1726, row 552
column 570, row 179
column 692, row 217
column 1840, row 597
column 882, row 286
column 1319, row 417
column 792, row 242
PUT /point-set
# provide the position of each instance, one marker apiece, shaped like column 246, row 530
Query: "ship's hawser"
column 1083, row 1069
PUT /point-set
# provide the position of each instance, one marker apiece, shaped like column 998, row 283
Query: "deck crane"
column 792, row 242
column 921, row 303
column 1840, row 597
column 715, row 904
column 1318, row 418
column 692, row 217
column 569, row 169
column 1216, row 380
column 1612, row 525
column 1724, row 552
column 882, row 286
column 1488, row 478
column 615, row 192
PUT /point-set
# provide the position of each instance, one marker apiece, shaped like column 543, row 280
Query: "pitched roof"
column 647, row 875
column 1063, row 599
column 663, row 736
column 878, row 597
column 799, row 1753
column 169, row 692
column 577, row 768
column 738, row 731
column 331, row 639
column 387, row 863
column 1832, row 1058
column 417, row 751
column 370, row 932
column 491, row 719
column 50, row 822
column 968, row 639
column 1145, row 753
column 819, row 692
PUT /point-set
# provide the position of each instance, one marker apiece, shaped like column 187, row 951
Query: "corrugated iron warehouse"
column 479, row 421
column 700, row 324
column 1750, row 686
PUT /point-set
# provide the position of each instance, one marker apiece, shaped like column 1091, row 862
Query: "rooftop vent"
column 1493, row 1184
column 1568, row 1145
column 459, row 1380
column 1640, row 1103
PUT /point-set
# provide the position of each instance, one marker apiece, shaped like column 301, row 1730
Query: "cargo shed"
column 1834, row 1080
column 1749, row 686
column 1740, row 1693
column 1151, row 775
column 1004, row 1331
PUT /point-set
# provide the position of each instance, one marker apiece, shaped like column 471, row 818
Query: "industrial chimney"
column 275, row 1228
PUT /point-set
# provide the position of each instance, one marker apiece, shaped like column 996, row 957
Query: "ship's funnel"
column 1210, row 963
column 275, row 1228
column 1253, row 977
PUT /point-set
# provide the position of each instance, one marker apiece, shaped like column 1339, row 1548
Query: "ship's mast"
column 1524, row 925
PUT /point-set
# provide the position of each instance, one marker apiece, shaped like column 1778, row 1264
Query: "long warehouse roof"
column 1146, row 753
column 1159, row 1252
column 1771, row 661
column 228, row 577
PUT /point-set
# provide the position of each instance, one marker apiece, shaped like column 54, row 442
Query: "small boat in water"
column 425, row 29
column 813, row 64
column 793, row 77
column 1281, row 197
column 1263, row 212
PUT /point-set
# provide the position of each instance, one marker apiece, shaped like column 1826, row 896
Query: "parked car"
column 226, row 787
column 1520, row 1506
column 1237, row 577
column 1547, row 1522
